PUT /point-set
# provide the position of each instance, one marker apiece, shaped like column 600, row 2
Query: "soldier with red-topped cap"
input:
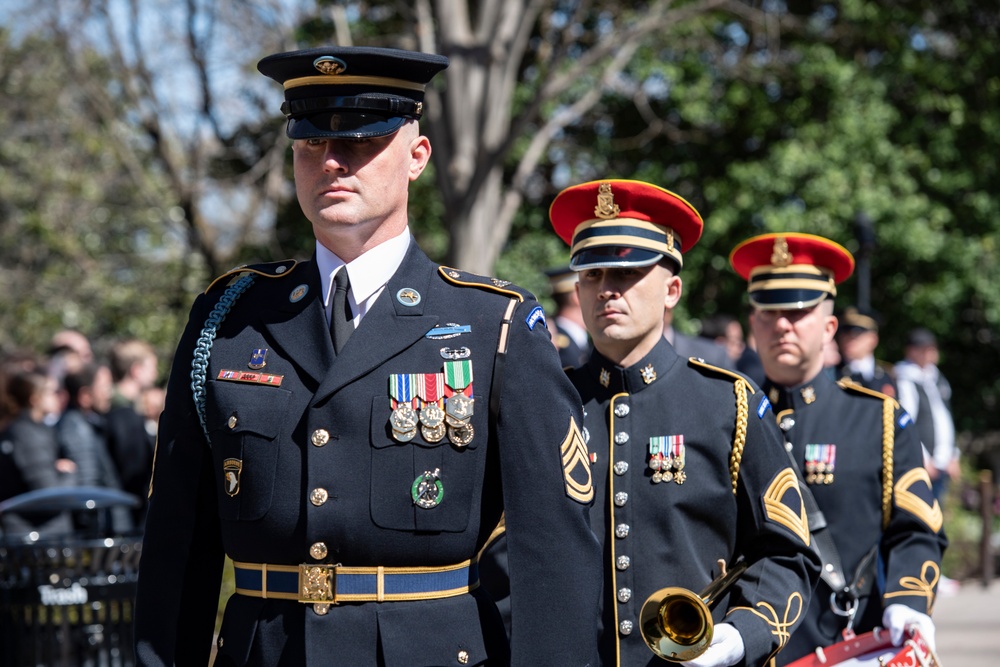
column 688, row 467
column 874, row 518
column 350, row 429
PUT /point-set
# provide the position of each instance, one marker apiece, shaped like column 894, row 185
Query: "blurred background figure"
column 568, row 332
column 926, row 394
column 857, row 338
column 68, row 352
column 694, row 346
column 81, row 435
column 29, row 451
column 831, row 357
column 134, row 370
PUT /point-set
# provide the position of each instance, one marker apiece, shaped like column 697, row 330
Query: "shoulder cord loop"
column 739, row 441
column 888, row 437
column 203, row 348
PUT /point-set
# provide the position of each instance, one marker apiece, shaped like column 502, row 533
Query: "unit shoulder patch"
column 913, row 494
column 576, row 465
column 849, row 385
column 466, row 279
column 708, row 369
column 268, row 270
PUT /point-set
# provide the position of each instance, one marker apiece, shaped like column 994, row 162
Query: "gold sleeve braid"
column 888, row 438
column 741, row 387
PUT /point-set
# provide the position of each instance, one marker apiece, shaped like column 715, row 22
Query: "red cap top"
column 616, row 222
column 789, row 270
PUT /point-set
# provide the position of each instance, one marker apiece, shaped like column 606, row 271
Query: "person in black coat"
column 856, row 448
column 29, row 455
column 350, row 429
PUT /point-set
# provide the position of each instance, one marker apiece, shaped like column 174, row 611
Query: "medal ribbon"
column 458, row 374
column 676, row 443
column 401, row 388
column 430, row 387
column 831, row 457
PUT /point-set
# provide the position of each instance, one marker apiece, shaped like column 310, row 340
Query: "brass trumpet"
column 676, row 623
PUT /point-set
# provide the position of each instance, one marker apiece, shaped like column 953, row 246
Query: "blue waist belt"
column 333, row 584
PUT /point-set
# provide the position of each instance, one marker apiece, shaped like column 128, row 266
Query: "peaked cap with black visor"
column 616, row 223
column 351, row 92
column 790, row 270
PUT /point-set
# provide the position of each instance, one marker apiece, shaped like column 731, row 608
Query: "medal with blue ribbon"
column 404, row 418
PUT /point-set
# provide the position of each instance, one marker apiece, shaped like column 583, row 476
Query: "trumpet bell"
column 676, row 624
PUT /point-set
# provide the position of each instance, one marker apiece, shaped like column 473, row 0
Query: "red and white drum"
column 873, row 649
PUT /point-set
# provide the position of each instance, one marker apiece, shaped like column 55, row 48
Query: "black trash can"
column 68, row 600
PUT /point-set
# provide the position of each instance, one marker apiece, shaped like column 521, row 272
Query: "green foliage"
column 80, row 246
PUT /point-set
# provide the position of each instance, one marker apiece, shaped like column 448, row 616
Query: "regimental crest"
column 329, row 65
column 605, row 378
column 648, row 374
column 606, row 208
column 779, row 254
column 808, row 395
column 576, row 465
column 913, row 494
column 258, row 358
column 783, row 504
column 231, row 469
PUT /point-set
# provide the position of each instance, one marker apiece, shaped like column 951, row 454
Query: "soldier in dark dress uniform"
column 568, row 331
column 857, row 338
column 857, row 451
column 354, row 477
column 689, row 470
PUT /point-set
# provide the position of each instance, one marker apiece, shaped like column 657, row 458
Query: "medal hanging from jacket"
column 459, row 401
column 430, row 390
column 403, row 420
column 667, row 459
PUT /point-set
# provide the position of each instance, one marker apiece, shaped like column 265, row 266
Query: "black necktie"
column 341, row 321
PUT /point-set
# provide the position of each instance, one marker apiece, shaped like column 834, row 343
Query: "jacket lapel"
column 300, row 329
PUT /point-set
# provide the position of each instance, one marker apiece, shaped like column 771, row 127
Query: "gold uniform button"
column 320, row 437
column 232, row 421
column 463, row 657
column 318, row 497
column 321, row 608
column 318, row 550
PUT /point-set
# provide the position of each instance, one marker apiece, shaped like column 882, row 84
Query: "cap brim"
column 343, row 125
column 610, row 257
column 786, row 299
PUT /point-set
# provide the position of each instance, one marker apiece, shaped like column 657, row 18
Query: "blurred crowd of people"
column 75, row 418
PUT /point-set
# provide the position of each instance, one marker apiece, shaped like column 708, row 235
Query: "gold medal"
column 462, row 435
column 668, row 476
column 403, row 418
column 433, row 433
column 459, row 408
column 657, row 477
column 432, row 416
column 680, row 477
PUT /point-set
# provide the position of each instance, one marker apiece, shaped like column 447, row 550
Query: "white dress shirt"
column 369, row 273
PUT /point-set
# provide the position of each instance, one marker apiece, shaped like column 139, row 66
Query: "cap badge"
column 329, row 65
column 780, row 255
column 335, row 122
column 606, row 207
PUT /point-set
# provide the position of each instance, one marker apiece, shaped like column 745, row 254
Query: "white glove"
column 726, row 648
column 897, row 617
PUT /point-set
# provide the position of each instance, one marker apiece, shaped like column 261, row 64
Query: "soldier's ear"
column 675, row 289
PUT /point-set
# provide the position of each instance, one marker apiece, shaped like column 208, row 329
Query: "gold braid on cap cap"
column 606, row 208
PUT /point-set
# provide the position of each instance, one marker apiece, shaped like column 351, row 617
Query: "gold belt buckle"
column 318, row 586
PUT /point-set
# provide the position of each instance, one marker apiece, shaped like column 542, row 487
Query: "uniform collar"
column 645, row 373
column 800, row 396
column 368, row 273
